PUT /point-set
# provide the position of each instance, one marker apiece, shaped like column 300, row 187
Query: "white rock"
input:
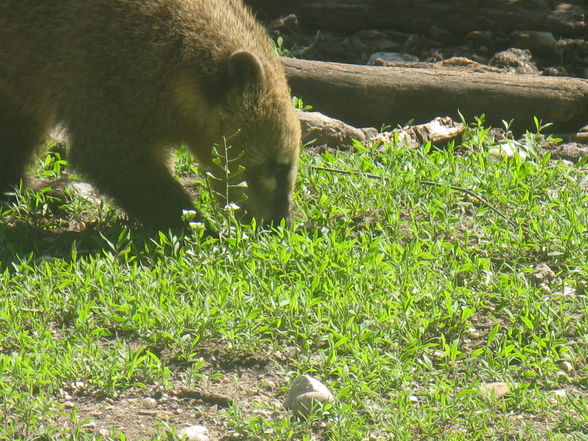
column 85, row 191
column 569, row 291
column 90, row 425
column 149, row 403
column 557, row 396
column 566, row 366
column 508, row 150
column 306, row 393
column 194, row 433
column 560, row 393
column 474, row 333
column 494, row 390
column 543, row 273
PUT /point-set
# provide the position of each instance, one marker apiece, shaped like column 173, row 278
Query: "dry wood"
column 457, row 16
column 373, row 95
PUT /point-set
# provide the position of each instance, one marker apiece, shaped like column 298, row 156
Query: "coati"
column 129, row 78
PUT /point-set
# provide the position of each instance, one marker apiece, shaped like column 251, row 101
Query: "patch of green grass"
column 402, row 296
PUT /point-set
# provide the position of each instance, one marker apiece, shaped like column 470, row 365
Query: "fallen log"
column 456, row 16
column 374, row 96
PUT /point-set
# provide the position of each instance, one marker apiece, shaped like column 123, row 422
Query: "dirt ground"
column 562, row 55
column 253, row 382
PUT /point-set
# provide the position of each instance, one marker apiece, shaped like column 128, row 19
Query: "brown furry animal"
column 128, row 78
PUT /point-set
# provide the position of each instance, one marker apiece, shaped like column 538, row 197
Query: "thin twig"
column 347, row 172
column 430, row 183
column 31, row 310
column 475, row 196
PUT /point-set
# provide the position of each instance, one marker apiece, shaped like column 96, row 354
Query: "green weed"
column 404, row 297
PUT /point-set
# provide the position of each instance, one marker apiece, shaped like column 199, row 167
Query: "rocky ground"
column 539, row 52
column 524, row 52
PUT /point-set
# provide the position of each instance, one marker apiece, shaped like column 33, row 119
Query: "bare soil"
column 253, row 382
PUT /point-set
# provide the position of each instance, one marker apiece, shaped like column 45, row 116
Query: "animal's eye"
column 270, row 175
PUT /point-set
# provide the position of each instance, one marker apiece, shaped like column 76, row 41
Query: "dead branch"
column 375, row 95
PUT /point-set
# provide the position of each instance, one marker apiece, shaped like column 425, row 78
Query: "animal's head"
column 260, row 134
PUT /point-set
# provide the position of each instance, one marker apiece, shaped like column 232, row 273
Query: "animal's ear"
column 245, row 72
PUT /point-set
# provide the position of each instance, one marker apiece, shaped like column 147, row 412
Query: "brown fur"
column 128, row 78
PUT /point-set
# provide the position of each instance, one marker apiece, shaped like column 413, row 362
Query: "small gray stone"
column 306, row 394
column 571, row 151
column 569, row 291
column 392, row 57
column 543, row 41
column 543, row 273
column 560, row 393
column 494, row 390
column 566, row 366
column 149, row 403
column 474, row 333
column 555, row 71
column 69, row 404
column 85, row 191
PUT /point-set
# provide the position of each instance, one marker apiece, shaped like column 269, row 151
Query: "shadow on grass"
column 29, row 243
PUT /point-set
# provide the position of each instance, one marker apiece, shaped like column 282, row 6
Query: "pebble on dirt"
column 306, row 394
column 542, row 273
column 194, row 433
column 494, row 390
column 508, row 150
column 149, row 403
column 566, row 366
